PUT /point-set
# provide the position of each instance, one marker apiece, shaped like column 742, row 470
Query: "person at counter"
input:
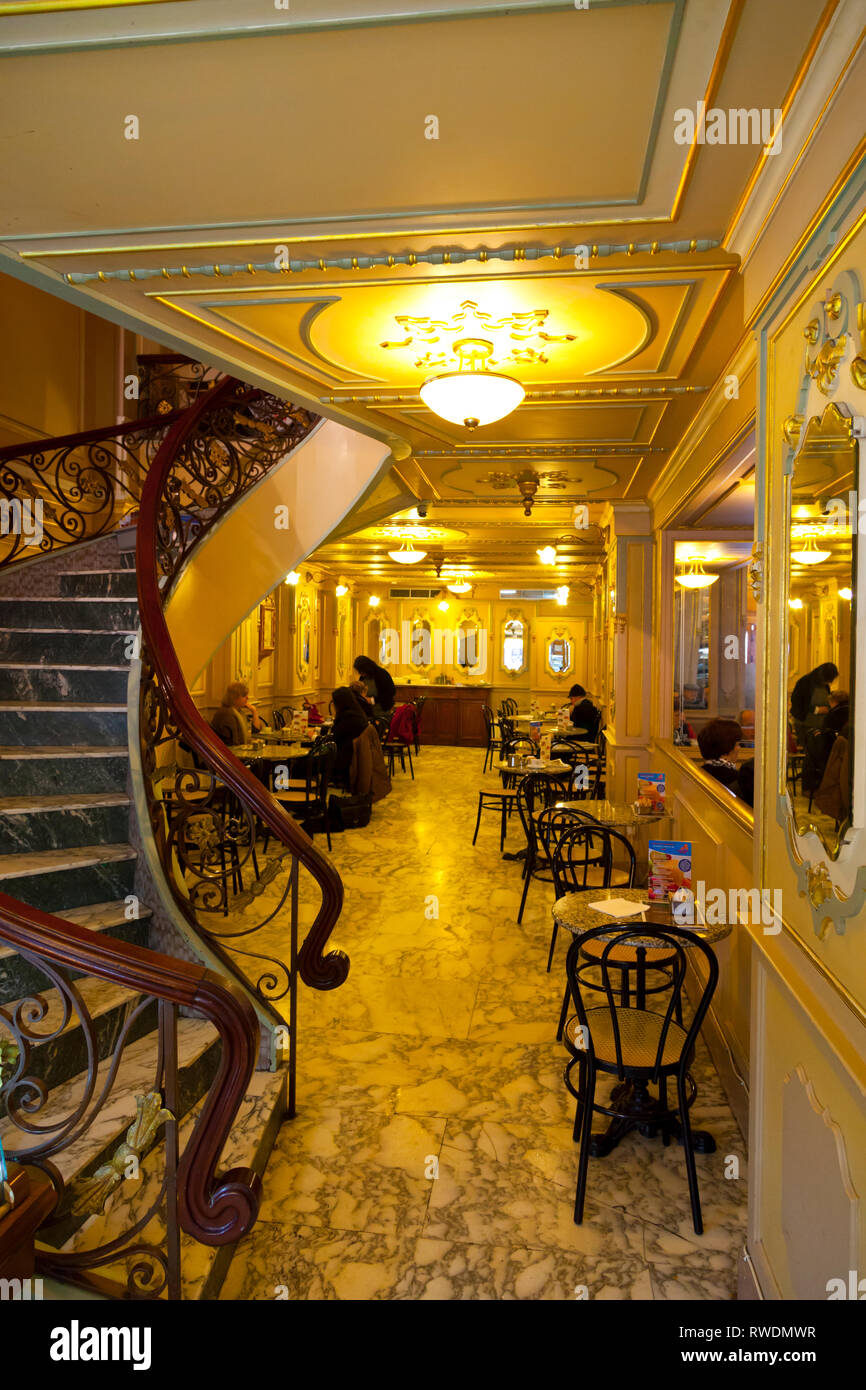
column 237, row 719
column 584, row 714
column 810, row 699
column 378, row 685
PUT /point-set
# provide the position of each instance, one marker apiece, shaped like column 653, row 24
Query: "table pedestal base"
column 645, row 1113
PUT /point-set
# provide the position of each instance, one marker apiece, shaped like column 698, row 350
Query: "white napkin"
column 619, row 907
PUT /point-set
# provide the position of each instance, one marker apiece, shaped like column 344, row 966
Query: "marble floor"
column 431, row 1156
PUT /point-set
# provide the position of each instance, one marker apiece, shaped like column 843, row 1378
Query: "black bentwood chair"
column 494, row 743
column 639, row 1047
column 536, row 791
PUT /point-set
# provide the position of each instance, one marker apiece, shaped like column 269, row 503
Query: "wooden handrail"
column 317, row 969
column 215, row 1211
column 84, row 437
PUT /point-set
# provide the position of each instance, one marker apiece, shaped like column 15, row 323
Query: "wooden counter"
column 452, row 713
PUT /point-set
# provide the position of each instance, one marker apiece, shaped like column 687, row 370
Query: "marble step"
column 57, row 647
column 25, row 771
column 94, row 684
column 65, row 723
column 70, row 614
column 249, row 1145
column 57, row 879
column 198, row 1052
column 62, row 821
column 55, row 1060
column 20, row 976
column 120, row 583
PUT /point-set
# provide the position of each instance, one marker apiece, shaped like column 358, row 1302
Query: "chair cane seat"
column 639, row 1032
column 627, row 955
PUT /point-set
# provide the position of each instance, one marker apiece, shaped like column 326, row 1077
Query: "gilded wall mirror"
column 469, row 656
column 420, row 642
column 305, row 627
column 819, row 748
column 515, row 647
column 559, row 654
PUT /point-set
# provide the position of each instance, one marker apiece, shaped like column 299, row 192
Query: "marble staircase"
column 65, row 848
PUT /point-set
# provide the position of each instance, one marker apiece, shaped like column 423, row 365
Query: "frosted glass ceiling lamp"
column 547, row 555
column 810, row 554
column 459, row 587
column 472, row 395
column 407, row 555
column 695, row 576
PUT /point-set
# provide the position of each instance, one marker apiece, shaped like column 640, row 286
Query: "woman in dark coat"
column 810, row 699
column 379, row 686
column 349, row 722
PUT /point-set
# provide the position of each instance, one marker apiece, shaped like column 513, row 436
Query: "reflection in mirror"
column 559, row 655
column 692, row 646
column 420, row 652
column 375, row 640
column 513, row 645
column 822, row 586
column 468, row 646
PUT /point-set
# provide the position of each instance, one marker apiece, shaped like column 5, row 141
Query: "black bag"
column 349, row 812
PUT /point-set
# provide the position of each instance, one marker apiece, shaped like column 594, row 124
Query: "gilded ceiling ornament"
column 528, row 482
column 833, row 305
column 812, row 331
column 470, row 321
column 858, row 366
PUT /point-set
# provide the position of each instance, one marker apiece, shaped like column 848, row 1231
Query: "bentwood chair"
column 635, row 1045
column 508, row 707
column 418, row 709
column 494, row 743
column 517, row 744
column 536, row 791
column 308, row 803
column 584, row 860
column 398, row 739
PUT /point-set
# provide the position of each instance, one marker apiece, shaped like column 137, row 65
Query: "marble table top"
column 248, row 753
column 551, row 767
column 618, row 814
column 574, row 912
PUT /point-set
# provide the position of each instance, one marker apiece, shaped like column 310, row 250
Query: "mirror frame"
column 555, row 634
column 514, row 615
column 420, row 619
column 303, row 618
column 835, row 887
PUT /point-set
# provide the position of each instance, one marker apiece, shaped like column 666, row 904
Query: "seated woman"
column 378, row 685
column 237, row 720
column 349, row 721
column 584, row 714
column 716, row 740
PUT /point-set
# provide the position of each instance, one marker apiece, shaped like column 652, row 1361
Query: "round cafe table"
column 620, row 816
column 639, row 1110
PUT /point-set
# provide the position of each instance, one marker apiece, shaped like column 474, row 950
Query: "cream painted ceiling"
column 302, row 136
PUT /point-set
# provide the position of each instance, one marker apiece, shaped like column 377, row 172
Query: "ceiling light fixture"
column 547, row 555
column 373, row 600
column 293, row 577
column 407, row 555
column 846, row 594
column 459, row 587
column 695, row 576
column 810, row 554
column 472, row 395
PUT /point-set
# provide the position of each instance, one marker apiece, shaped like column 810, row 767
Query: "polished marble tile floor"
column 431, row 1156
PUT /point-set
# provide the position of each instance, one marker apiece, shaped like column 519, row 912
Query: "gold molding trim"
column 756, row 572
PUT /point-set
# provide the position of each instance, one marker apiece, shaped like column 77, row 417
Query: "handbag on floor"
column 349, row 812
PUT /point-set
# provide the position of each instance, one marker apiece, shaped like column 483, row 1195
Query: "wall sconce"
column 341, row 590
column 373, row 600
column 846, row 594
column 562, row 595
column 293, row 577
